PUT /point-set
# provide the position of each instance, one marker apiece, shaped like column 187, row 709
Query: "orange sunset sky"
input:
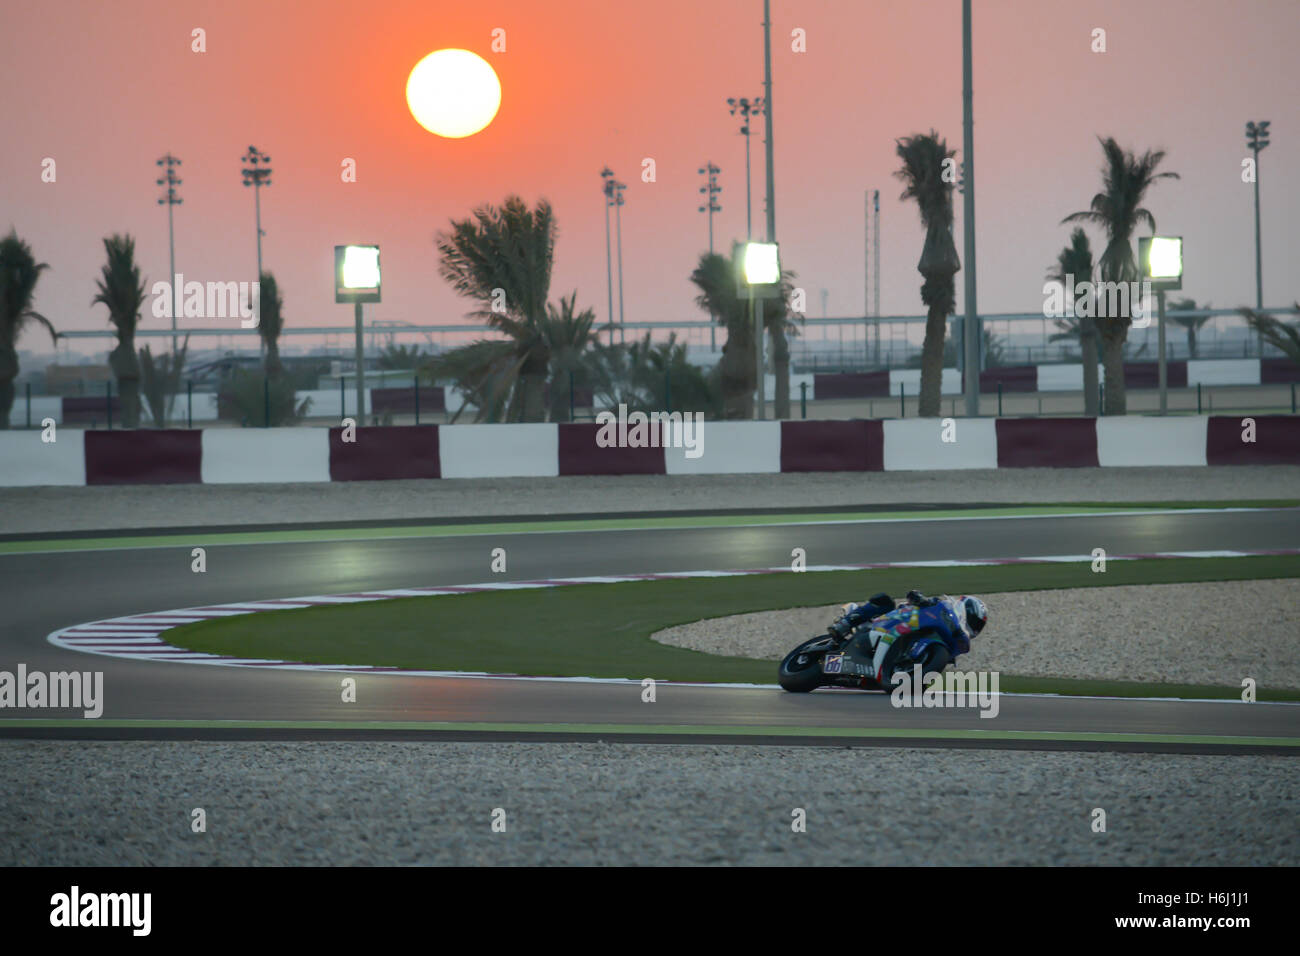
column 106, row 88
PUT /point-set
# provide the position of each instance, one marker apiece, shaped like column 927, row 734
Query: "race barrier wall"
column 249, row 455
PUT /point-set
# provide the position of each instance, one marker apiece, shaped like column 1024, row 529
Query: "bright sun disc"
column 453, row 93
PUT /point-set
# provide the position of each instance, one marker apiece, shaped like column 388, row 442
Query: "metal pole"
column 609, row 268
column 415, row 384
column 875, row 204
column 266, row 401
column 171, row 242
column 1161, row 370
column 108, row 403
column 749, row 226
column 343, row 399
column 803, row 399
column 361, row 370
column 1198, row 398
column 257, row 202
column 999, row 399
column 189, row 404
column 971, row 327
column 902, row 400
column 618, row 216
column 756, row 311
column 572, row 415
column 866, row 272
column 1259, row 265
column 767, row 115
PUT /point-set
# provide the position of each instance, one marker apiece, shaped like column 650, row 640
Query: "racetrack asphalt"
column 49, row 591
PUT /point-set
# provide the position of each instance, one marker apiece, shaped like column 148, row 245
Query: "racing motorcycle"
column 869, row 657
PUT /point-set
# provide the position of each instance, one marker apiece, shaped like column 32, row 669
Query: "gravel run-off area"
column 1209, row 633
column 104, row 507
column 602, row 804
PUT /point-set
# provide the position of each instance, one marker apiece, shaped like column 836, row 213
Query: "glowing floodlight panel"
column 762, row 263
column 1161, row 260
column 356, row 273
column 1166, row 257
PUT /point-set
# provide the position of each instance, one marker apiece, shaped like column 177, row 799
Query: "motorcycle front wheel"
column 801, row 670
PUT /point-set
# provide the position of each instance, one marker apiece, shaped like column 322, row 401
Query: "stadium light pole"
column 257, row 174
column 607, row 189
column 1160, row 259
column 618, row 222
column 746, row 108
column 1257, row 139
column 711, row 188
column 970, row 328
column 758, row 276
column 357, row 279
column 169, row 199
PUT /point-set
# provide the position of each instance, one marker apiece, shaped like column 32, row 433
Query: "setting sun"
column 453, row 93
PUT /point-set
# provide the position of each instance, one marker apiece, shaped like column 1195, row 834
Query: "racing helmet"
column 977, row 614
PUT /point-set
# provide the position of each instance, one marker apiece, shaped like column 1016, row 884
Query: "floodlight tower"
column 171, row 198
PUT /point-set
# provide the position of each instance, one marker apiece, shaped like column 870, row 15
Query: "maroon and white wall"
column 246, row 455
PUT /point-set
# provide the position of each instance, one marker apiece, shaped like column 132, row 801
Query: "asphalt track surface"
column 48, row 591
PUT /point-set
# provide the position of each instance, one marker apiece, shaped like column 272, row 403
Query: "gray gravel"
column 431, row 803
column 1209, row 633
column 154, row 506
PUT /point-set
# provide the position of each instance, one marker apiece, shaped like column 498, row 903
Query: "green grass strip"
column 603, row 630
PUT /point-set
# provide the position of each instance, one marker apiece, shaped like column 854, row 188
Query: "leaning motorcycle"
column 870, row 656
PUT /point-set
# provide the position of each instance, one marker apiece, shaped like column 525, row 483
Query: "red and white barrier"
column 248, row 455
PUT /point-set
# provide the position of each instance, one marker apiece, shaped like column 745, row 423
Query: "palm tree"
column 121, row 289
column 270, row 322
column 923, row 166
column 395, row 357
column 1118, row 210
column 715, row 277
column 160, row 380
column 486, row 372
column 1281, row 335
column 568, row 334
column 1191, row 323
column 1076, row 260
column 501, row 257
column 19, row 272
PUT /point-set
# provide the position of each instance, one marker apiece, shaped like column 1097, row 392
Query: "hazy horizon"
column 106, row 90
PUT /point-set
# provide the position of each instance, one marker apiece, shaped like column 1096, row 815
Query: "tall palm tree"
column 715, row 277
column 1191, row 323
column 501, row 257
column 1118, row 209
column 923, row 157
column 568, row 334
column 270, row 322
column 121, row 289
column 19, row 272
column 1076, row 260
